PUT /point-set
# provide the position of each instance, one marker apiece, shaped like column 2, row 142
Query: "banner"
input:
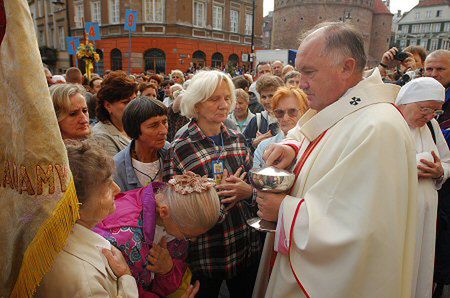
column 130, row 20
column 38, row 203
column 72, row 45
column 93, row 30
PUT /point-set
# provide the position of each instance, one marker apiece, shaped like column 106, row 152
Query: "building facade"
column 293, row 17
column 50, row 20
column 170, row 34
column 427, row 25
column 267, row 30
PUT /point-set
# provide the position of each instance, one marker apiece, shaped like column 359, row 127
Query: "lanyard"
column 221, row 149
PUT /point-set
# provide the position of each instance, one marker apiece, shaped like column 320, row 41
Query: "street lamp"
column 63, row 4
column 252, row 50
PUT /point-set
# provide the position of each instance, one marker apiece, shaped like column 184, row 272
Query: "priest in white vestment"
column 420, row 101
column 348, row 227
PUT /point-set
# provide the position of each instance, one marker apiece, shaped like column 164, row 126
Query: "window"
column 424, row 28
column 41, row 37
column 403, row 43
column 248, row 24
column 424, row 43
column 413, row 42
column 199, row 14
column 428, row 15
column 114, row 11
column 154, row 11
column 41, row 8
column 96, row 12
column 434, row 43
column 217, row 17
column 417, row 15
column 447, row 27
column 436, row 27
column 415, row 28
column 155, row 60
column 234, row 21
column 438, row 13
column 62, row 38
column 78, row 14
column 116, row 59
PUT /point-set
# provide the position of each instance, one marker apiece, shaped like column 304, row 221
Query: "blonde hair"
column 284, row 92
column 178, row 72
column 200, row 89
column 193, row 210
column 240, row 93
column 61, row 94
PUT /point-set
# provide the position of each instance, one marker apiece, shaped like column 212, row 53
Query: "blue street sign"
column 130, row 20
column 93, row 30
column 72, row 44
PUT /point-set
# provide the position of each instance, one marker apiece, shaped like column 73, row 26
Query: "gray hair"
column 439, row 54
column 61, row 94
column 200, row 89
column 341, row 41
column 291, row 74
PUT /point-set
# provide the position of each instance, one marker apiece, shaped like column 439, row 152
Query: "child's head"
column 189, row 206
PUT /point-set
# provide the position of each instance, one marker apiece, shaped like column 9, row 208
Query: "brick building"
column 171, row 34
column 371, row 17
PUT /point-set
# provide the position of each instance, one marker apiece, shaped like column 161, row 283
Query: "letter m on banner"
column 130, row 20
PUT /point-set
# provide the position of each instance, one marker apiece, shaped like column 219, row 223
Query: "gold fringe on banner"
column 46, row 245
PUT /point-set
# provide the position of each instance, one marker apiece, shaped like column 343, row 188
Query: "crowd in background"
column 144, row 129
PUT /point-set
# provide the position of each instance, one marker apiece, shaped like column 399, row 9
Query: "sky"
column 403, row 5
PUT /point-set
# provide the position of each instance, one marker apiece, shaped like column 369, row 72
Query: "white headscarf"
column 421, row 89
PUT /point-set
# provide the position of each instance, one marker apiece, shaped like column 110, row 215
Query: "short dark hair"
column 91, row 82
column 144, row 86
column 116, row 87
column 167, row 82
column 240, row 82
column 156, row 78
column 73, row 75
column 138, row 111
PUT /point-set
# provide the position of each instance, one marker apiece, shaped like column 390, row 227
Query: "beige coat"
column 81, row 270
column 110, row 138
column 353, row 208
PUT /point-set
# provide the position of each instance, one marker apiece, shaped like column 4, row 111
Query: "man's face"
column 438, row 68
column 266, row 98
column 263, row 69
column 320, row 76
column 277, row 68
column 49, row 77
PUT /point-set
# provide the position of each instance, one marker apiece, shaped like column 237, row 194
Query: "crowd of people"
column 161, row 162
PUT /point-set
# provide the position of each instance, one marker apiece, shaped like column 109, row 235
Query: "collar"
column 196, row 134
column 112, row 130
column 87, row 245
column 250, row 115
column 371, row 90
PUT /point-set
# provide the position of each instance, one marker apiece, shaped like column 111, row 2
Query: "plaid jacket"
column 230, row 246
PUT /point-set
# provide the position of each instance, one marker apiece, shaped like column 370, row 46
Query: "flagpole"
column 129, row 52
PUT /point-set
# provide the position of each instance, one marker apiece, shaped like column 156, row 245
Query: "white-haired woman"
column 230, row 251
column 71, row 110
column 420, row 101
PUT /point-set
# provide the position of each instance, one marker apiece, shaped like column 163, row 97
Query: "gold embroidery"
column 47, row 178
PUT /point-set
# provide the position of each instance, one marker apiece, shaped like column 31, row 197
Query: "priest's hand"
column 269, row 204
column 279, row 155
column 432, row 170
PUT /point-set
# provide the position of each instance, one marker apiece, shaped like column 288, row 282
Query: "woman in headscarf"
column 420, row 101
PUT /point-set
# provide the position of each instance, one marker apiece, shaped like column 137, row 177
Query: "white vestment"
column 427, row 207
column 355, row 231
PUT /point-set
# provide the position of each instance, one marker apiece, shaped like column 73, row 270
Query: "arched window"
column 217, row 60
column 233, row 59
column 116, row 59
column 155, row 60
column 100, row 65
column 199, row 59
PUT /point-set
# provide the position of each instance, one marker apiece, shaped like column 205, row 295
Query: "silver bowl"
column 271, row 179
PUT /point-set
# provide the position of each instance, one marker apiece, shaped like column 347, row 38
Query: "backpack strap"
column 431, row 128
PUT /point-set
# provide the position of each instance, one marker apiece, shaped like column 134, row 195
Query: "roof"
column 426, row 3
column 380, row 8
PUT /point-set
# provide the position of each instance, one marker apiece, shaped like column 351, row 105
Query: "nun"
column 420, row 101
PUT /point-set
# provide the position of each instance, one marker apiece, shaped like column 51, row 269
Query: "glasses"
column 279, row 113
column 429, row 111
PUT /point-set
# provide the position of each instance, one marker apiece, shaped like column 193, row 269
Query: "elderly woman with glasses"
column 230, row 251
column 288, row 104
column 420, row 101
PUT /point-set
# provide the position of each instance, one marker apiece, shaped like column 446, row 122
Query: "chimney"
column 388, row 3
column 399, row 13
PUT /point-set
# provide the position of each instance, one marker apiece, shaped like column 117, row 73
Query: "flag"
column 38, row 203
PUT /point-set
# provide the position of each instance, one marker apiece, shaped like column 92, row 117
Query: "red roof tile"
column 380, row 8
column 425, row 3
